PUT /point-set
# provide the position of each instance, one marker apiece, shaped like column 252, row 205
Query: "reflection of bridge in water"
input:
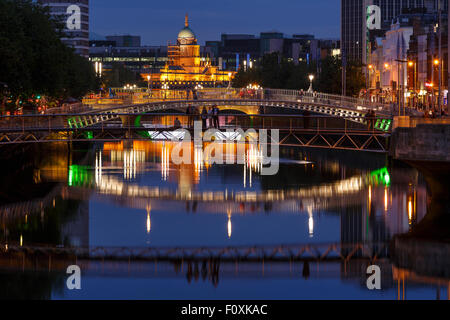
column 348, row 262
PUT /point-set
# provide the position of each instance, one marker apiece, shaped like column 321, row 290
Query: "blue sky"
column 158, row 21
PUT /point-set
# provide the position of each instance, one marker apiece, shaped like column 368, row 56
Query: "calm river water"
column 132, row 195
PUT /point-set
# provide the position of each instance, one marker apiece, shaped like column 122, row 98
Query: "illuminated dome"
column 186, row 35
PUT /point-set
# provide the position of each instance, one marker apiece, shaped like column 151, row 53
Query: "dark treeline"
column 33, row 60
column 120, row 75
column 272, row 71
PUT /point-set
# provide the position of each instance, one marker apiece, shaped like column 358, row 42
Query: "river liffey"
column 148, row 228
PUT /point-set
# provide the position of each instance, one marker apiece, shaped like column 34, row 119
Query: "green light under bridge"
column 79, row 176
column 381, row 176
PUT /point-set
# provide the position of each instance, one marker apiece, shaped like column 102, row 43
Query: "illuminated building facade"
column 354, row 17
column 185, row 66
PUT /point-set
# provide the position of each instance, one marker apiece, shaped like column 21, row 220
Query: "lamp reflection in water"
column 130, row 159
column 165, row 158
column 385, row 199
column 253, row 162
column 310, row 221
column 229, row 223
column 149, row 223
column 98, row 167
column 198, row 162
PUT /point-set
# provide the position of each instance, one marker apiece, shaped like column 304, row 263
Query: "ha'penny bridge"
column 303, row 119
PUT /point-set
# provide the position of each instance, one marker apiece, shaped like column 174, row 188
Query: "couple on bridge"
column 212, row 115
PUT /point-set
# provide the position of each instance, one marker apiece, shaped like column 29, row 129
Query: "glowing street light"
column 311, row 78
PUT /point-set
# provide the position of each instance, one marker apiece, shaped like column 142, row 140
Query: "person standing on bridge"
column 215, row 110
column 302, row 93
column 204, row 116
column 177, row 124
column 189, row 113
column 210, row 117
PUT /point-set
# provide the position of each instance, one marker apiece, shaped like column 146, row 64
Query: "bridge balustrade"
column 357, row 104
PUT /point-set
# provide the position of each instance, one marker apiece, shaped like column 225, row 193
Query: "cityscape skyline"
column 162, row 24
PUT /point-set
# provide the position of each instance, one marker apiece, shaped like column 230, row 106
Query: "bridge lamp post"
column 311, row 78
column 412, row 64
column 229, row 79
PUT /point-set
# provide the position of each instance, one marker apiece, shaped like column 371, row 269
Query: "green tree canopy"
column 33, row 59
column 279, row 73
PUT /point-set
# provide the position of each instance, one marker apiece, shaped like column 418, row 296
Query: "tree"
column 279, row 73
column 120, row 75
column 33, row 59
column 329, row 79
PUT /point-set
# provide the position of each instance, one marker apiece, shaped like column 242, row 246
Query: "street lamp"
column 400, row 88
column 437, row 62
column 368, row 80
column 229, row 80
column 148, row 84
column 413, row 64
column 311, row 78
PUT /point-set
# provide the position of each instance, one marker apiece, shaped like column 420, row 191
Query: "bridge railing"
column 358, row 104
column 282, row 122
column 326, row 99
column 158, row 121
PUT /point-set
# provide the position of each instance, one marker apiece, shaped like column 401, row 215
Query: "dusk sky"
column 159, row 21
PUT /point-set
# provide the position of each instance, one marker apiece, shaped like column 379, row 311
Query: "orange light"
column 370, row 66
column 386, row 65
column 410, row 63
column 436, row 62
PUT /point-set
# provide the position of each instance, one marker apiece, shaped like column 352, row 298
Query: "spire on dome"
column 186, row 21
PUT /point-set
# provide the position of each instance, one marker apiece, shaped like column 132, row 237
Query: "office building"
column 357, row 24
column 74, row 14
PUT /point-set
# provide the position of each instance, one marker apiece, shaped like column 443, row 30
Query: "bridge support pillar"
column 128, row 120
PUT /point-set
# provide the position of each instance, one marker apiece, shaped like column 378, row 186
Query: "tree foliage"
column 275, row 72
column 33, row 59
column 120, row 76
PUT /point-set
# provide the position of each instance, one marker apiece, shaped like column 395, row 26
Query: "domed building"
column 185, row 67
